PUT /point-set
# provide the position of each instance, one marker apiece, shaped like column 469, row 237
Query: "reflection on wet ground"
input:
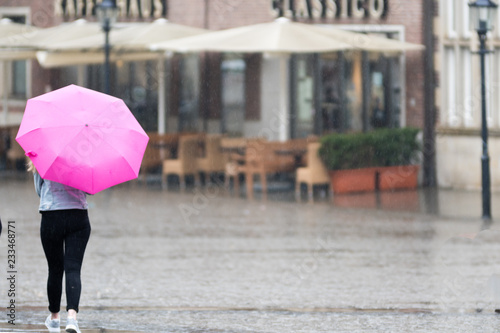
column 208, row 261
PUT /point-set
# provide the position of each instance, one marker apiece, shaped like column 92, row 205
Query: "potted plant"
column 350, row 159
column 396, row 154
column 382, row 159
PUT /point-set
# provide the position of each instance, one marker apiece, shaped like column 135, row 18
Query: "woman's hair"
column 30, row 166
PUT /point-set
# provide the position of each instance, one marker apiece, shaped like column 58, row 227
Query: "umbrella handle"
column 31, row 154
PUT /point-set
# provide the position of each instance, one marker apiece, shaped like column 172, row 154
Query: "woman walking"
column 64, row 232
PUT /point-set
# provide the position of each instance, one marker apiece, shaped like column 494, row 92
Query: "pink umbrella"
column 82, row 138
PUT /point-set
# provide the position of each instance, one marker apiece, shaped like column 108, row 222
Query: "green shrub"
column 384, row 147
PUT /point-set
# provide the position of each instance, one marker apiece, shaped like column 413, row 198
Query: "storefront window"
column 233, row 96
column 353, row 81
column 340, row 93
column 18, row 69
column 384, row 92
column 305, row 111
column 137, row 84
column 188, row 94
column 19, row 79
column 134, row 82
column 332, row 112
column 359, row 92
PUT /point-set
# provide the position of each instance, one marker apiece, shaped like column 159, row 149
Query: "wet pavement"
column 211, row 261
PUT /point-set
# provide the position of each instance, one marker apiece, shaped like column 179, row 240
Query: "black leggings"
column 64, row 235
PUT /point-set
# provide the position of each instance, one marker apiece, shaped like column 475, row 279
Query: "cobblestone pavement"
column 206, row 261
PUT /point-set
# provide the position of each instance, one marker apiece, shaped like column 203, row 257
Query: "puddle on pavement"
column 26, row 328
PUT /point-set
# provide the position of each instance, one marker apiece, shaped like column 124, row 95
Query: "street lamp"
column 107, row 12
column 482, row 14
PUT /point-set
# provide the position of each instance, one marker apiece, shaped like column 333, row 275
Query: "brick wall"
column 410, row 14
column 219, row 14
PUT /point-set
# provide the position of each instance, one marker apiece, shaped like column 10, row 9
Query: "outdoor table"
column 297, row 153
column 233, row 150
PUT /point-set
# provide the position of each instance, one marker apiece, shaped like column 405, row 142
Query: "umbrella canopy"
column 48, row 59
column 130, row 43
column 279, row 36
column 9, row 29
column 370, row 42
column 136, row 37
column 82, row 138
column 62, row 33
column 284, row 36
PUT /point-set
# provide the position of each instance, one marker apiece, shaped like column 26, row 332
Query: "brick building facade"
column 212, row 83
column 399, row 14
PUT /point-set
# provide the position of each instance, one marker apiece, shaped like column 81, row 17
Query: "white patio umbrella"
column 24, row 45
column 283, row 37
column 8, row 29
column 135, row 37
column 280, row 37
column 371, row 42
column 31, row 42
column 130, row 43
column 65, row 32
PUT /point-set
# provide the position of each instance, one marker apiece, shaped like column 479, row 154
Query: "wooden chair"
column 315, row 173
column 185, row 163
column 159, row 148
column 151, row 159
column 301, row 144
column 213, row 161
column 234, row 158
column 261, row 160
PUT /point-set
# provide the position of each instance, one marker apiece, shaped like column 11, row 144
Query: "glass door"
column 189, row 93
column 233, row 96
column 303, row 121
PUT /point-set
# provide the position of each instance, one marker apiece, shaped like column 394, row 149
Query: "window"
column 450, row 13
column 467, row 99
column 188, row 94
column 18, row 83
column 17, row 71
column 233, row 95
column 450, row 74
column 489, row 85
column 465, row 24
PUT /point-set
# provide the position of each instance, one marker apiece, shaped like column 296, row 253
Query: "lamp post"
column 107, row 12
column 482, row 14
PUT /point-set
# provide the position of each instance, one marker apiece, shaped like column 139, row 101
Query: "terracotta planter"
column 398, row 177
column 364, row 200
column 353, row 180
column 408, row 201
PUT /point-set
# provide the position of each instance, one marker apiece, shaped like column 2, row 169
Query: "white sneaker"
column 72, row 326
column 53, row 324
